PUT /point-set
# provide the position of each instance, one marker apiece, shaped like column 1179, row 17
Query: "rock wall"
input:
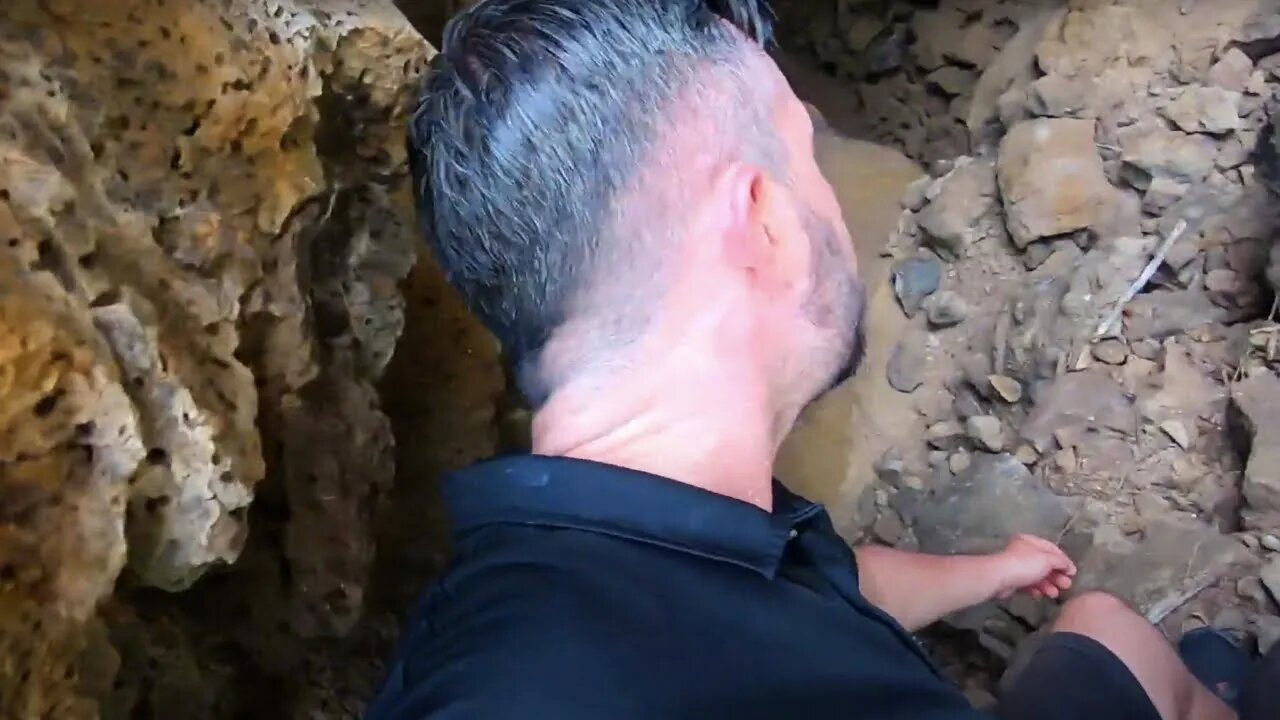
column 203, row 220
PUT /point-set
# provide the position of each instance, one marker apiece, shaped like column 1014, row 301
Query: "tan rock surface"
column 829, row 456
column 1051, row 178
column 202, row 222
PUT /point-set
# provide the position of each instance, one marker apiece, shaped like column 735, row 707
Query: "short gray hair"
column 535, row 122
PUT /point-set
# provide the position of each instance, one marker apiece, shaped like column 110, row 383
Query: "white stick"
column 1142, row 280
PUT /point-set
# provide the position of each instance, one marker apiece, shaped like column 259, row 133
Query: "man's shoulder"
column 518, row 576
column 508, row 636
column 538, row 592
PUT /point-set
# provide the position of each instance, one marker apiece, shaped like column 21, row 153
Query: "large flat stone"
column 1051, row 178
column 1090, row 399
column 995, row 498
column 1175, row 559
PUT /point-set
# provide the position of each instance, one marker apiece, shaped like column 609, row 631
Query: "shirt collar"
column 584, row 495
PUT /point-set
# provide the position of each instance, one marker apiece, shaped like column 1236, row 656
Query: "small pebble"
column 917, row 194
column 945, row 309
column 1215, row 259
column 1258, row 84
column 1270, row 542
column 888, row 527
column 1065, row 459
column 1261, row 340
column 1111, row 352
column 1221, row 281
column 1036, row 254
column 966, row 404
column 1006, row 387
column 1182, row 253
column 934, row 406
column 914, row 280
column 938, row 459
column 1146, row 349
column 1026, row 455
column 944, row 433
column 1193, row 623
column 959, row 462
column 1250, row 588
column 986, row 431
column 1232, row 70
column 905, row 370
column 1231, row 619
column 889, row 468
column 1177, row 432
column 1270, row 577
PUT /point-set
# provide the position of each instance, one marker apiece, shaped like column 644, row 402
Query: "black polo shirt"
column 582, row 590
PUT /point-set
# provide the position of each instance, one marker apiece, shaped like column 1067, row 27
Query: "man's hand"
column 1033, row 565
column 918, row 589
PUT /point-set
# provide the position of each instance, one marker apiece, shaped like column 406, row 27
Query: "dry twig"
column 1142, row 280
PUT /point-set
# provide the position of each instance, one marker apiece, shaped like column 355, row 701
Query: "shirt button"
column 792, row 534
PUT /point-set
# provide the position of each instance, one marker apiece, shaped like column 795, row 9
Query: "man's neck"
column 710, row 430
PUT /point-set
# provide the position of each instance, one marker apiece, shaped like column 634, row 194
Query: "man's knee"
column 1094, row 611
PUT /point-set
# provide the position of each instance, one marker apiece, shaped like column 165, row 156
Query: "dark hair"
column 536, row 114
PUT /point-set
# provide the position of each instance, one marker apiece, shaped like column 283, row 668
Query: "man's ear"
column 784, row 248
column 763, row 235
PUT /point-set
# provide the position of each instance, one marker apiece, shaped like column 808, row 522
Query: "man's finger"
column 1050, row 547
column 1063, row 564
column 1059, row 560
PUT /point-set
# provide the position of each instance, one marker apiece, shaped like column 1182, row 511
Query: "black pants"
column 1073, row 677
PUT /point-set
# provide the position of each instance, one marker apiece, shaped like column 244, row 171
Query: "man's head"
column 601, row 177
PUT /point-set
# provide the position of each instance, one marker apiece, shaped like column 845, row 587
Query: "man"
column 625, row 192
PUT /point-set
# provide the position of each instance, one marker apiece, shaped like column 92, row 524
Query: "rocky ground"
column 1076, row 154
column 207, row 258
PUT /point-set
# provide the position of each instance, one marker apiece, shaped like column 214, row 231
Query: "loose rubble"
column 1129, row 416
